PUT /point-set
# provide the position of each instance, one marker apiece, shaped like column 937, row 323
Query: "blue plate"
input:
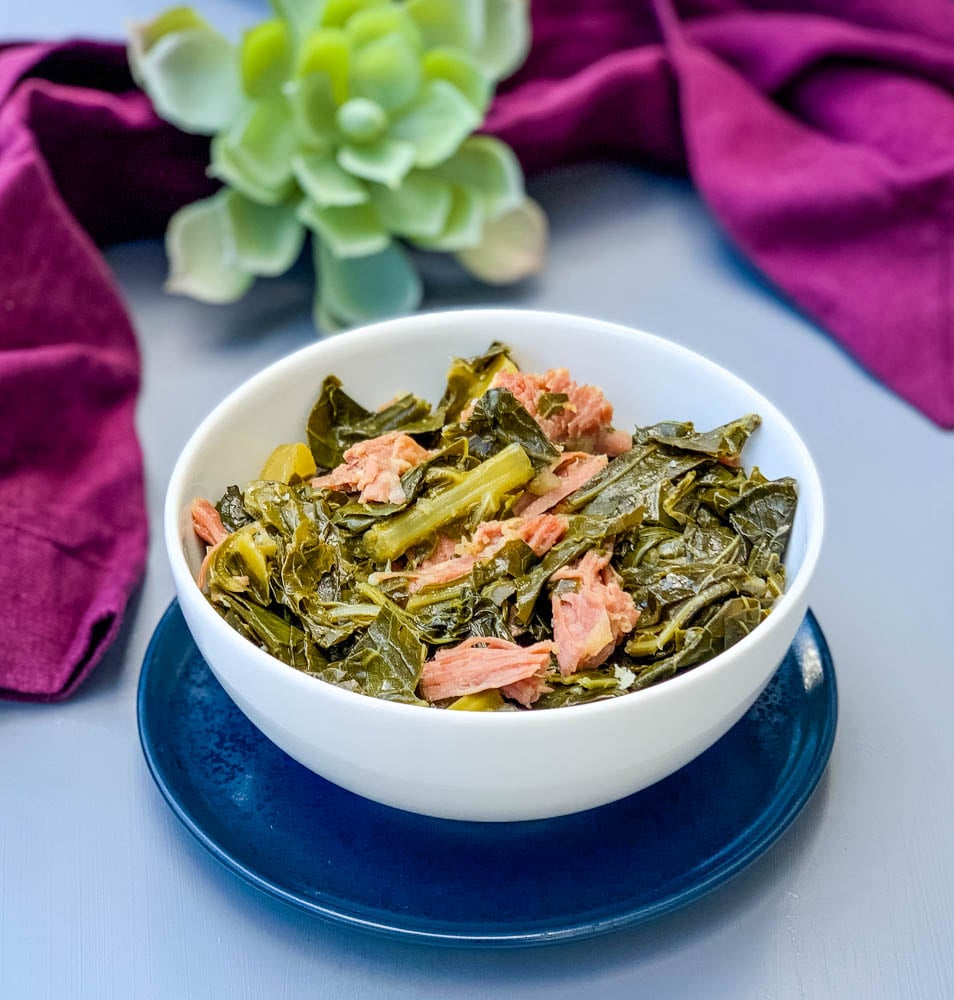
column 330, row 852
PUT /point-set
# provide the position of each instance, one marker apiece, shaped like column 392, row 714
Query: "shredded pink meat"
column 613, row 442
column 374, row 468
column 206, row 522
column 445, row 549
column 480, row 664
column 541, row 533
column 487, row 538
column 573, row 469
column 585, row 420
column 589, row 621
column 441, row 572
column 527, row 691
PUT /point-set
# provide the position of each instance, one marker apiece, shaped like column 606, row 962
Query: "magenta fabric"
column 819, row 132
column 82, row 158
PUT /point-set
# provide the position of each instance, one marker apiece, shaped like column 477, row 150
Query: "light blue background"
column 103, row 894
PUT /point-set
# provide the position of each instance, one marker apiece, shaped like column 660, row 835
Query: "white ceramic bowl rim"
column 809, row 486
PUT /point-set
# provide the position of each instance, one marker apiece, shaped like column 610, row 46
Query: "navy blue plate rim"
column 783, row 810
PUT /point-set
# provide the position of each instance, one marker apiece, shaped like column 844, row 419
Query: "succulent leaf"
column 419, row 207
column 361, row 120
column 255, row 154
column 313, row 110
column 143, row 35
column 201, row 252
column 225, row 167
column 454, row 23
column 379, row 22
column 327, row 52
column 265, row 56
column 387, row 71
column 386, row 161
column 192, row 78
column 464, row 225
column 506, row 37
column 302, row 15
column 267, row 239
column 346, row 230
column 338, row 12
column 512, row 246
column 489, row 168
column 436, row 122
column 463, row 71
column 359, row 289
column 325, row 182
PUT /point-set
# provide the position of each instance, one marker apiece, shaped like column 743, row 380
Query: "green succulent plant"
column 351, row 119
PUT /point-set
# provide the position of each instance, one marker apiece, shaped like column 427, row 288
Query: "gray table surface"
column 103, row 894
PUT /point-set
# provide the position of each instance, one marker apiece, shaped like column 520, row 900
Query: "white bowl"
column 476, row 765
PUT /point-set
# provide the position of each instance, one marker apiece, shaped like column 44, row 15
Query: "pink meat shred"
column 449, row 562
column 542, row 531
column 445, row 549
column 527, row 691
column 573, row 469
column 483, row 663
column 585, row 420
column 427, row 575
column 206, row 522
column 589, row 621
column 373, row 468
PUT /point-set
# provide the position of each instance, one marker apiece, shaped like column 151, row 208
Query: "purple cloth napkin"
column 819, row 132
column 82, row 157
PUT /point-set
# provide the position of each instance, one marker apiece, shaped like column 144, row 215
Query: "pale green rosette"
column 354, row 120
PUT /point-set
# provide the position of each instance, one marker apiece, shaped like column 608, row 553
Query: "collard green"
column 365, row 594
column 469, row 378
column 498, row 420
column 337, row 421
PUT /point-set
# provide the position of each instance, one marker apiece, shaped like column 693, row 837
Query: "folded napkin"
column 819, row 132
column 82, row 157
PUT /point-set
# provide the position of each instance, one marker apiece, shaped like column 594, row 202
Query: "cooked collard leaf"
column 724, row 444
column 497, row 420
column 337, row 422
column 232, row 510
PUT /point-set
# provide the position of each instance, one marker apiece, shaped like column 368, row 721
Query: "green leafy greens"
column 364, row 594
